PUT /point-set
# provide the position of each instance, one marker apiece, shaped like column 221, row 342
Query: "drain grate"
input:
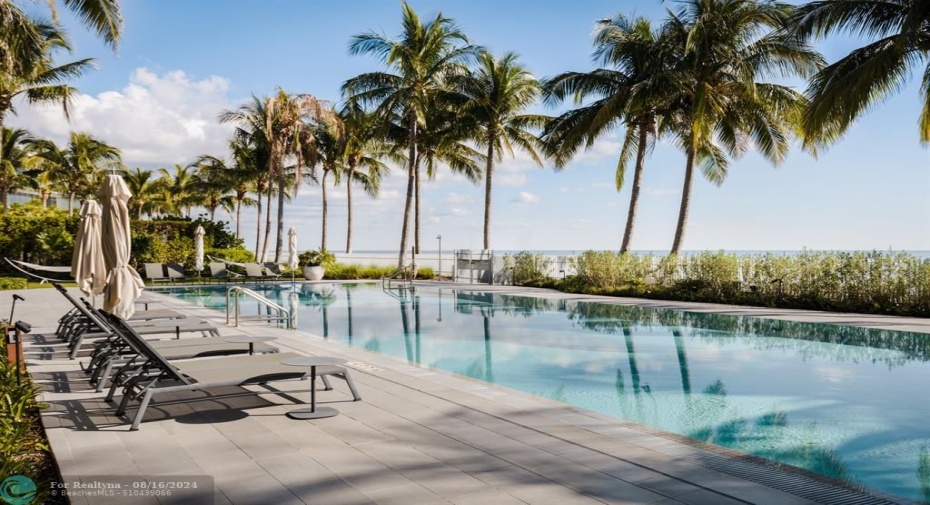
column 793, row 481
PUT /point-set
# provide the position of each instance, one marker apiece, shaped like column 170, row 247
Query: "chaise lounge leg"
column 102, row 381
column 124, row 401
column 351, row 384
column 137, row 420
column 326, row 385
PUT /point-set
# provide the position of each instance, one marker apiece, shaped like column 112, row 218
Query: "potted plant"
column 314, row 263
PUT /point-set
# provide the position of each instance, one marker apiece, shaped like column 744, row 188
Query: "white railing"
column 238, row 291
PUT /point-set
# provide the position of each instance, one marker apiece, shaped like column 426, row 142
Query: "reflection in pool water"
column 845, row 402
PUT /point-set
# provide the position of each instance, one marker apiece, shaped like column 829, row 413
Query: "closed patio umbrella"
column 292, row 260
column 198, row 248
column 123, row 284
column 87, row 265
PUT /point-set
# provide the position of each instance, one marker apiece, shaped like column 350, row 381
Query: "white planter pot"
column 313, row 273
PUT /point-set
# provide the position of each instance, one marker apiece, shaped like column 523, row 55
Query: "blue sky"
column 181, row 62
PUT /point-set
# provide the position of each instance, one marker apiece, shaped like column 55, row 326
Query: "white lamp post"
column 439, row 272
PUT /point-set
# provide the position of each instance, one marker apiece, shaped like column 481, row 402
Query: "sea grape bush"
column 876, row 282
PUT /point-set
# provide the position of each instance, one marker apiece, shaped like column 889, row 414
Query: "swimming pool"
column 845, row 402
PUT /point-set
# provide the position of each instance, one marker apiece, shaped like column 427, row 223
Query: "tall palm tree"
column 328, row 147
column 22, row 40
column 147, row 191
column 245, row 172
column 500, row 91
column 281, row 122
column 424, row 56
column 631, row 90
column 363, row 150
column 16, row 147
column 728, row 50
column 842, row 91
column 75, row 167
column 103, row 17
column 37, row 79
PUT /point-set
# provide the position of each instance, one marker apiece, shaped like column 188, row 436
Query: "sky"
column 180, row 63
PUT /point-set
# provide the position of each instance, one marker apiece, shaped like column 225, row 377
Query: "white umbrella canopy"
column 292, row 260
column 87, row 265
column 123, row 283
column 198, row 248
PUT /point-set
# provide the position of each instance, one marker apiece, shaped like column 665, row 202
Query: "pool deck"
column 420, row 436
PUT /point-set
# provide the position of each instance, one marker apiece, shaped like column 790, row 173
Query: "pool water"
column 846, row 402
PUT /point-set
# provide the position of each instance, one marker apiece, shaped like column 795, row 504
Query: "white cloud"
column 457, row 198
column 155, row 119
column 526, row 197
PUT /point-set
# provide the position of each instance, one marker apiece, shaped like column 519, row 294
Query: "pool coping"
column 491, row 399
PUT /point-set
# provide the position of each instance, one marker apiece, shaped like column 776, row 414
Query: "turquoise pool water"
column 846, row 402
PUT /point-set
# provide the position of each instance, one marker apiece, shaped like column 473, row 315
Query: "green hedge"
column 864, row 282
column 339, row 271
column 45, row 236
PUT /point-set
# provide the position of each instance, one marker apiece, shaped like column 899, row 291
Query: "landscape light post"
column 439, row 271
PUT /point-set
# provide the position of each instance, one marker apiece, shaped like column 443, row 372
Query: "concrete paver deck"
column 419, row 436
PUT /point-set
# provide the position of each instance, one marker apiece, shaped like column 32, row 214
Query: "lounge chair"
column 219, row 271
column 115, row 351
column 155, row 272
column 254, row 271
column 153, row 374
column 85, row 326
column 176, row 272
column 273, row 270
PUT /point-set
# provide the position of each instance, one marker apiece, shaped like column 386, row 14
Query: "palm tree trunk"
column 267, row 225
column 685, row 204
column 489, row 168
column 45, row 196
column 412, row 160
column 279, row 243
column 70, row 204
column 258, row 226
column 637, row 185
column 416, row 208
column 213, row 213
column 4, row 196
column 323, row 187
column 349, row 210
column 238, row 214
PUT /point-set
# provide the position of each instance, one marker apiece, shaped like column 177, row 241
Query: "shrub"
column 339, row 271
column 23, row 447
column 236, row 255
column 867, row 282
column 527, row 267
column 13, row 283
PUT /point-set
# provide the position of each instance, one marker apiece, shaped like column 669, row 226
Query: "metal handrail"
column 239, row 290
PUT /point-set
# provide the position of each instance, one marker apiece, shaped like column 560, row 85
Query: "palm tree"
column 500, row 90
column 211, row 182
column 328, row 147
column 724, row 105
column 424, row 56
column 280, row 123
column 16, row 147
column 243, row 176
column 74, row 168
column 103, row 17
column 363, row 148
column 23, row 41
column 179, row 188
column 36, row 79
column 842, row 91
column 632, row 92
column 147, row 192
